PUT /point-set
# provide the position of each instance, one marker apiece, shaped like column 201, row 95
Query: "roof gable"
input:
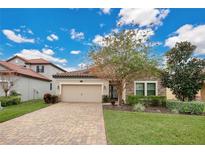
column 21, row 58
column 36, row 61
column 23, row 71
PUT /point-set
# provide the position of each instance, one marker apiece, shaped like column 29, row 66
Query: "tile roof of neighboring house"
column 23, row 59
column 22, row 71
column 36, row 61
column 85, row 73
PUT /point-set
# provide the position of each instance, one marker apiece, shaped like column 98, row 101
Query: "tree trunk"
column 119, row 97
column 120, row 92
column 6, row 92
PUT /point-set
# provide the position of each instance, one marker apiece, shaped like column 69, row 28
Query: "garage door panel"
column 81, row 93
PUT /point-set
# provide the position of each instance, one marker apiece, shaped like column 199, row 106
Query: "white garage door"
column 81, row 93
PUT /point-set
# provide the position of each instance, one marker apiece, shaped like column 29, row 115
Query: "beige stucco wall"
column 59, row 82
column 29, row 88
column 130, row 85
column 199, row 96
column 203, row 92
column 49, row 70
column 169, row 94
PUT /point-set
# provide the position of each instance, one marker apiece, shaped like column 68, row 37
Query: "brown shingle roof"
column 23, row 71
column 85, row 73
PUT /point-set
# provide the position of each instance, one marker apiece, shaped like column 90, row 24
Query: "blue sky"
column 63, row 36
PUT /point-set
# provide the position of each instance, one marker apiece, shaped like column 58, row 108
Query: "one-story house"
column 83, row 86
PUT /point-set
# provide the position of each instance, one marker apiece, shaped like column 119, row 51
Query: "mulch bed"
column 123, row 107
column 152, row 109
column 126, row 107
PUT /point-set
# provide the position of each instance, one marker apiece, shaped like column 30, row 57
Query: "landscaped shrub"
column 14, row 93
column 10, row 100
column 139, row 107
column 147, row 100
column 54, row 99
column 50, row 99
column 173, row 104
column 47, row 98
column 105, row 98
column 193, row 107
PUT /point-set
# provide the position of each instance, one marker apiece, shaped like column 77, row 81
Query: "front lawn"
column 153, row 128
column 14, row 111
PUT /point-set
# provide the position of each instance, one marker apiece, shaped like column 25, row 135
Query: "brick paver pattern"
column 62, row 123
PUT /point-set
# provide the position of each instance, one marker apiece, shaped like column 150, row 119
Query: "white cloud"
column 8, row 44
column 30, row 31
column 115, row 30
column 61, row 49
column 142, row 34
column 16, row 37
column 142, row 17
column 75, row 52
column 33, row 53
column 82, row 65
column 106, row 10
column 193, row 34
column 69, row 69
column 52, row 37
column 76, row 35
column 98, row 40
column 63, row 29
column 17, row 30
column 102, row 25
column 48, row 51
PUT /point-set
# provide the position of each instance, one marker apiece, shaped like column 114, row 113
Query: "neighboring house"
column 35, row 76
column 27, row 82
column 82, row 86
column 40, row 66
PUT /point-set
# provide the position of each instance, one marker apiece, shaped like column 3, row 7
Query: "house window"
column 37, row 69
column 40, row 69
column 140, row 89
column 151, row 89
column 51, row 86
column 145, row 88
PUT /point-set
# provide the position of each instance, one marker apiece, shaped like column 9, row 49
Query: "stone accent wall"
column 130, row 85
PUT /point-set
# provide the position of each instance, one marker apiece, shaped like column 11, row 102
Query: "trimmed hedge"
column 50, row 99
column 105, row 99
column 147, row 100
column 10, row 100
column 193, row 107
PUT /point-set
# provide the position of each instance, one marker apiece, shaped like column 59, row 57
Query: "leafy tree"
column 184, row 73
column 121, row 56
column 7, row 80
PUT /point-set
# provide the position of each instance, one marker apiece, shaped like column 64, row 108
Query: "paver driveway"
column 62, row 123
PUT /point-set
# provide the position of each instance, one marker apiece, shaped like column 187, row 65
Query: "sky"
column 64, row 36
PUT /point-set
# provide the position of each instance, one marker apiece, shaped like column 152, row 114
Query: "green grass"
column 153, row 128
column 14, row 111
